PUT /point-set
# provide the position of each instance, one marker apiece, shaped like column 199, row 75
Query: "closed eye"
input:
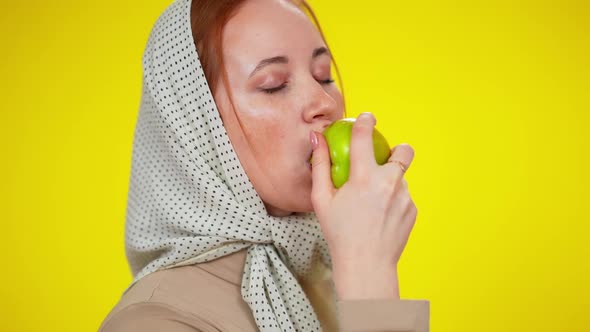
column 273, row 90
column 280, row 87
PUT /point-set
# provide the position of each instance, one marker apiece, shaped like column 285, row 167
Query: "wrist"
column 356, row 282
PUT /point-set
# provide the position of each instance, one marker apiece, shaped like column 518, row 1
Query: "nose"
column 319, row 104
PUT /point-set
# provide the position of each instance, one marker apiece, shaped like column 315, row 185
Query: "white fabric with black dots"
column 190, row 201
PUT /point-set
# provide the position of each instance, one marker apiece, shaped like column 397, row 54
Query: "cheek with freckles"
column 270, row 145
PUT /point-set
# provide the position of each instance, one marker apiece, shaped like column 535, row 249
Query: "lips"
column 319, row 130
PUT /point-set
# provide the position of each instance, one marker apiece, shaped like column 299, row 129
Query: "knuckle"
column 384, row 182
column 318, row 161
column 359, row 129
column 395, row 182
column 412, row 208
column 406, row 199
column 392, row 177
column 386, row 187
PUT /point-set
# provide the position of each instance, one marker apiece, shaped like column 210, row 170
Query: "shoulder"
column 187, row 295
column 153, row 316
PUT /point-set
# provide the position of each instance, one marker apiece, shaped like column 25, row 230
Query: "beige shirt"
column 207, row 297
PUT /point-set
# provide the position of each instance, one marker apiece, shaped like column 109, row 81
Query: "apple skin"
column 338, row 136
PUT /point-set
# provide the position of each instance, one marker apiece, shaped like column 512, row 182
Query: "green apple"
column 338, row 136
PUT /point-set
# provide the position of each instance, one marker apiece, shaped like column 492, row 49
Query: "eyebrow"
column 283, row 59
column 319, row 51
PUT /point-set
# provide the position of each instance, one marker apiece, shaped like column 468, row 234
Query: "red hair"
column 208, row 18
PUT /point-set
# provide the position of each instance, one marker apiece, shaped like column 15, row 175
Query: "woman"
column 228, row 227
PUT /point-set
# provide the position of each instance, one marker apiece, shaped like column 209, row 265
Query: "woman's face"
column 280, row 81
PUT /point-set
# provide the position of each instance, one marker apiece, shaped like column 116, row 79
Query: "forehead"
column 265, row 28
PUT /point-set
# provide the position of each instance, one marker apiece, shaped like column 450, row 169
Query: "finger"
column 322, row 186
column 362, row 154
column 401, row 153
column 405, row 183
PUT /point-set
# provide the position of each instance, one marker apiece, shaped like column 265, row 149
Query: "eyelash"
column 273, row 90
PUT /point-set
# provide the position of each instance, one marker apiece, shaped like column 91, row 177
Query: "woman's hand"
column 368, row 220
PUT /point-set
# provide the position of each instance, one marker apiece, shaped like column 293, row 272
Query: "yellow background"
column 493, row 96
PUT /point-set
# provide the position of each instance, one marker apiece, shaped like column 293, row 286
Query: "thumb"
column 322, row 186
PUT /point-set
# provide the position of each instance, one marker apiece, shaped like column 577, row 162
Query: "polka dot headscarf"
column 190, row 201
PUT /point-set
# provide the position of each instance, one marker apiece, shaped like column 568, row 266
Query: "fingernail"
column 314, row 139
column 367, row 116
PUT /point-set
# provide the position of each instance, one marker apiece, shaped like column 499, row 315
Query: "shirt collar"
column 229, row 268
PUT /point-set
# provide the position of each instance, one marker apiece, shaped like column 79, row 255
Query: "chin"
column 302, row 206
column 304, row 209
